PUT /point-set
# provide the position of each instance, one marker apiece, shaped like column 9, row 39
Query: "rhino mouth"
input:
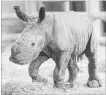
column 21, row 62
column 18, row 59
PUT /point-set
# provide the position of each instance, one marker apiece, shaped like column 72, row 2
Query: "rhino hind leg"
column 73, row 71
column 91, row 54
column 93, row 80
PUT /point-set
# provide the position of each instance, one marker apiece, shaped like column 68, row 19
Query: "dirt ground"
column 16, row 81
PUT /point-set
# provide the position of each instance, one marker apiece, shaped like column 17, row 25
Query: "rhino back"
column 72, row 31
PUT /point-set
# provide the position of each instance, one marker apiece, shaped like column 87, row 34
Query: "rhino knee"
column 35, row 64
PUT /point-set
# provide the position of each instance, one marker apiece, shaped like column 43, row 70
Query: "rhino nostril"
column 18, row 43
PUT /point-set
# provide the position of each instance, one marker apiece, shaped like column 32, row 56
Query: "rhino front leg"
column 59, row 71
column 34, row 67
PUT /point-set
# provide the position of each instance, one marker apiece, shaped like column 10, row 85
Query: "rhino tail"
column 91, row 45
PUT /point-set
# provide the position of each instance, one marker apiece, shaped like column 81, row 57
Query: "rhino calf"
column 61, row 36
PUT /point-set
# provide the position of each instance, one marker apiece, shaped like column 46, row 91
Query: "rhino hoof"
column 93, row 84
column 68, row 85
column 64, row 86
column 40, row 79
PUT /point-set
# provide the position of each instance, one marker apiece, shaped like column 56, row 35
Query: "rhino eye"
column 33, row 44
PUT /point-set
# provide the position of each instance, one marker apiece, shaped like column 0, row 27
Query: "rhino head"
column 32, row 39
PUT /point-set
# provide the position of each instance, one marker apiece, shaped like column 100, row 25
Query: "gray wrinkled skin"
column 63, row 37
column 23, row 50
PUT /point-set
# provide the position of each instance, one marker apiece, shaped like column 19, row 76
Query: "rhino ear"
column 41, row 14
column 21, row 15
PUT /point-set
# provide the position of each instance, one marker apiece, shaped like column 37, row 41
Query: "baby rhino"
column 60, row 36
